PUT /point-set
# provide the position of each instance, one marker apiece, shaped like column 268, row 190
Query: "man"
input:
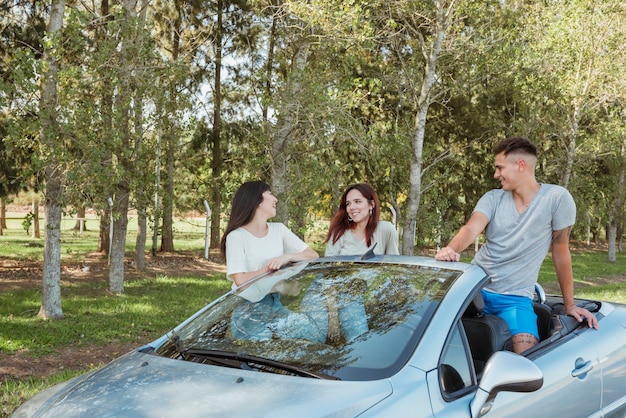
column 522, row 221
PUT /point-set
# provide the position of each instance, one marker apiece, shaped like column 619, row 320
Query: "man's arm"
column 466, row 235
column 562, row 259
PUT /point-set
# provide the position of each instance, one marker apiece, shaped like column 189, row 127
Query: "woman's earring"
column 349, row 218
column 371, row 211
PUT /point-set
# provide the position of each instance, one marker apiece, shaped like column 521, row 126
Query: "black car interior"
column 487, row 334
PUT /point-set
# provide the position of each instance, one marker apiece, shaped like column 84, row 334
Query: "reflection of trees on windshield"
column 369, row 301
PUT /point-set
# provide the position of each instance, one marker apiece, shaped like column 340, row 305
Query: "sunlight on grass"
column 586, row 266
column 15, row 392
column 146, row 310
column 189, row 233
column 612, row 293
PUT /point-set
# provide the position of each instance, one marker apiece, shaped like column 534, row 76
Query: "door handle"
column 581, row 368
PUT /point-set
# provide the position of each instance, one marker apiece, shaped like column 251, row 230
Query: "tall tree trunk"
column 3, row 215
column 171, row 145
column 51, row 290
column 118, row 241
column 431, row 52
column 616, row 218
column 216, row 157
column 286, row 130
column 104, row 236
column 167, row 237
column 122, row 189
column 51, row 281
column 140, row 244
column 142, row 198
column 571, row 146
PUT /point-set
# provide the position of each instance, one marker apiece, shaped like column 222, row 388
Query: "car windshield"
column 345, row 320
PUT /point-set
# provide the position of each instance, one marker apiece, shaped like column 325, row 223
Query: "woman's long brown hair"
column 247, row 198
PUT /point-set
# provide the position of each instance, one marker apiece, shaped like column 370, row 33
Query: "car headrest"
column 476, row 306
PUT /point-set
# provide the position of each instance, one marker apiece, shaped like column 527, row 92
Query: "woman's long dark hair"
column 247, row 199
column 340, row 222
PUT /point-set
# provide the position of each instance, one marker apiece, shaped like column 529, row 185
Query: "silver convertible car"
column 347, row 337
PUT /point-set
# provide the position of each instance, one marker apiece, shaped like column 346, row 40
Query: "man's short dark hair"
column 515, row 144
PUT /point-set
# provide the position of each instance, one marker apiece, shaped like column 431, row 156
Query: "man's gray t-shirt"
column 517, row 243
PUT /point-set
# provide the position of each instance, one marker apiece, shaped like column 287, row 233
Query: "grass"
column 92, row 316
column 146, row 310
column 189, row 234
column 587, row 267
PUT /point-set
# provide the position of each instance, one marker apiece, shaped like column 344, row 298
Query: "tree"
column 128, row 142
column 573, row 47
column 178, row 32
column 417, row 29
column 53, row 172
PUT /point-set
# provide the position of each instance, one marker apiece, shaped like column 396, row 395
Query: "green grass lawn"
column 146, row 310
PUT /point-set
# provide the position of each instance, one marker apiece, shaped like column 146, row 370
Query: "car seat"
column 544, row 320
column 486, row 333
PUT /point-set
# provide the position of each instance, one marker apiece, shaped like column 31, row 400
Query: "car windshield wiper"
column 248, row 362
column 178, row 343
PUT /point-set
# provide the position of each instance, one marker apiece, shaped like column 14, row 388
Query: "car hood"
column 143, row 385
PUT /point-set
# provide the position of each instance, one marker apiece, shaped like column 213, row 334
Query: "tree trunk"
column 167, row 232
column 3, row 215
column 167, row 237
column 104, row 238
column 118, row 242
column 51, row 281
column 611, row 237
column 51, row 289
column 140, row 244
column 124, row 158
column 286, row 129
column 80, row 214
column 571, row 147
column 431, row 52
column 138, row 122
column 617, row 211
column 35, row 212
column 216, row 161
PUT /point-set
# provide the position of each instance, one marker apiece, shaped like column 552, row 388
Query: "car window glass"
column 455, row 372
column 354, row 321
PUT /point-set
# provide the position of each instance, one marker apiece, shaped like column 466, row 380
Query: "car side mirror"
column 505, row 372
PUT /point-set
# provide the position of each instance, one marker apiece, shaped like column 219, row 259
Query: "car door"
column 610, row 341
column 572, row 385
column 452, row 385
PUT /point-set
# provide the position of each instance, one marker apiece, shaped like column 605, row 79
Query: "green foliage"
column 504, row 69
column 27, row 222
